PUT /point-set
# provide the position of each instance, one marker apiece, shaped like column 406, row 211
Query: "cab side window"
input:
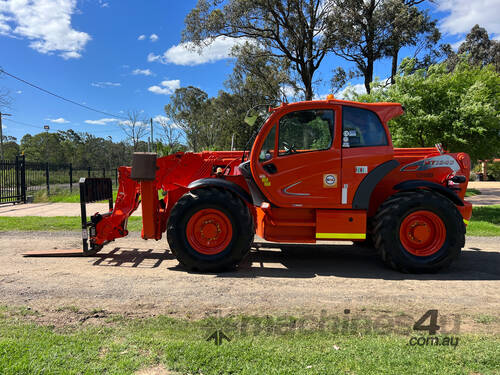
column 267, row 150
column 303, row 131
column 361, row 128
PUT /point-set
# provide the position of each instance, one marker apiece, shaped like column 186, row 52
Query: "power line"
column 61, row 97
column 41, row 127
column 23, row 123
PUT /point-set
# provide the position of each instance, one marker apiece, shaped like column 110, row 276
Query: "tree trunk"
column 306, row 79
column 394, row 68
column 368, row 75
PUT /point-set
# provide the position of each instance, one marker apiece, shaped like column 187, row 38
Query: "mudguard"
column 419, row 184
column 221, row 184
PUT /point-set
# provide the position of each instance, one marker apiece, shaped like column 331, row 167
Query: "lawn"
column 61, row 196
column 485, row 222
column 39, row 223
column 472, row 192
column 123, row 346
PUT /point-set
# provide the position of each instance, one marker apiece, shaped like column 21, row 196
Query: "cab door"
column 299, row 162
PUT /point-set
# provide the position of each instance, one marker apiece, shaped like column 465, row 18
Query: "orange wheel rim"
column 422, row 233
column 209, row 231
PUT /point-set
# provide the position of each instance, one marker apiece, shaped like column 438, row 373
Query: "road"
column 133, row 277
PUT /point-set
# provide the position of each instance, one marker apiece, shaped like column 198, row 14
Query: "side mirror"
column 250, row 119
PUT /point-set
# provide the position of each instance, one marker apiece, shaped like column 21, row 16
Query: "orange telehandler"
column 317, row 170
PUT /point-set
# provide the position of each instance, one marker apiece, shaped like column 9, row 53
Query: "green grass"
column 485, row 221
column 61, row 196
column 129, row 345
column 472, row 192
column 38, row 223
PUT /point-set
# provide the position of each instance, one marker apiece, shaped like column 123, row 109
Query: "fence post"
column 47, row 178
column 89, row 172
column 70, row 177
column 104, row 172
column 18, row 187
column 23, row 179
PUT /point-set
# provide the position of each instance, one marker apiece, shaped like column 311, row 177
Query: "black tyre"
column 210, row 230
column 418, row 232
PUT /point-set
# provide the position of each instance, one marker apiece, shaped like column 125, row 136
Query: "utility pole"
column 47, row 128
column 152, row 138
column 1, row 132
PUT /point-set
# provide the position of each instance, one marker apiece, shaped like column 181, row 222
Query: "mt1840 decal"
column 434, row 162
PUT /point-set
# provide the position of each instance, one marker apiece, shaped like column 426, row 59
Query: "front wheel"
column 210, row 230
column 419, row 231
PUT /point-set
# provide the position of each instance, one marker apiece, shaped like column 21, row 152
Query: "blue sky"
column 121, row 55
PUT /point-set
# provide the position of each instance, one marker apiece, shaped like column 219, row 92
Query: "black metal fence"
column 12, row 180
column 20, row 179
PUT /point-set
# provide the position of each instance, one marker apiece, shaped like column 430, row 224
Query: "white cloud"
column 464, row 14
column 105, row 84
column 457, row 44
column 164, row 120
column 46, row 23
column 161, row 118
column 188, row 53
column 166, row 88
column 347, row 92
column 154, row 37
column 141, row 37
column 59, row 120
column 19, row 92
column 144, row 72
column 103, row 4
column 152, row 57
column 289, row 91
column 102, row 121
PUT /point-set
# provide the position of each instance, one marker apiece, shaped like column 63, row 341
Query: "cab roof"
column 385, row 111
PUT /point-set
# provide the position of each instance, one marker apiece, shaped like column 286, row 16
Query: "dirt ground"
column 138, row 278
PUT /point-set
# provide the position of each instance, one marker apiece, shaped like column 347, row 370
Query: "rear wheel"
column 419, row 231
column 210, row 230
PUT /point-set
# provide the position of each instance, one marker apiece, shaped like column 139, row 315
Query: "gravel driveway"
column 141, row 278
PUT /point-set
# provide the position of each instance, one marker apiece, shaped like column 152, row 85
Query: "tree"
column 10, row 147
column 258, row 76
column 459, row 109
column 409, row 26
column 365, row 31
column 257, row 79
column 292, row 29
column 188, row 108
column 171, row 136
column 478, row 48
column 135, row 127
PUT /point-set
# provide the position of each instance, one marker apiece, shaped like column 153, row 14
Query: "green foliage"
column 459, row 109
column 80, row 149
column 477, row 49
column 493, row 169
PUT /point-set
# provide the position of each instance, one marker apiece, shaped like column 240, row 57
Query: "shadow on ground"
column 309, row 261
